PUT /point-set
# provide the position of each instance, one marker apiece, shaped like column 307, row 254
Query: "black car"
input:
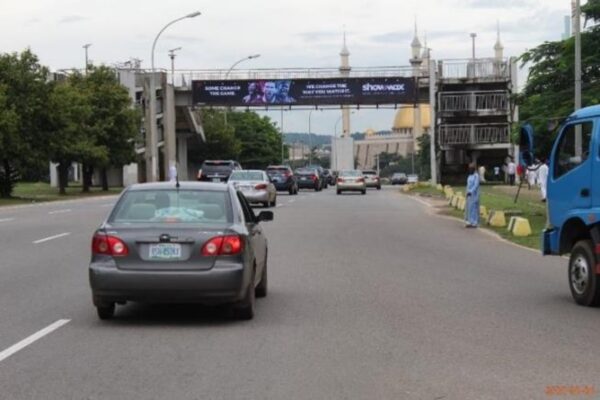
column 189, row 242
column 321, row 172
column 217, row 170
column 399, row 178
column 283, row 178
column 308, row 178
column 329, row 176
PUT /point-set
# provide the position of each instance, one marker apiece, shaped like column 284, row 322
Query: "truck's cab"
column 574, row 202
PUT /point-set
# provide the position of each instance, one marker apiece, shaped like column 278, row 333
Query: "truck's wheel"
column 583, row 281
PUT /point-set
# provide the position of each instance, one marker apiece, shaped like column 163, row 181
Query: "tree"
column 71, row 139
column 113, row 122
column 24, row 113
column 259, row 138
column 423, row 158
column 549, row 92
column 221, row 142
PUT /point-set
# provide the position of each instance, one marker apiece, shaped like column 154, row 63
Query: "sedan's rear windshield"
column 246, row 176
column 281, row 170
column 172, row 206
column 350, row 173
column 369, row 172
column 306, row 172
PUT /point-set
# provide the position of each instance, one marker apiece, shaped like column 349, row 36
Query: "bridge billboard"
column 290, row 92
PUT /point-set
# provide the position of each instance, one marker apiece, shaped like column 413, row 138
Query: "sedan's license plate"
column 216, row 179
column 165, row 251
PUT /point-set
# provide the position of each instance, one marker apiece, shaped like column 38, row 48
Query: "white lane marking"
column 52, row 237
column 6, row 219
column 66, row 210
column 292, row 200
column 31, row 339
column 279, row 205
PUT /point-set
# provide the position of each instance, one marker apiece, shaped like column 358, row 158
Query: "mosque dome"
column 405, row 117
column 370, row 132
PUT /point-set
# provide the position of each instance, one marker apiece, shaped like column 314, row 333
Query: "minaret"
column 344, row 73
column 416, row 60
column 498, row 48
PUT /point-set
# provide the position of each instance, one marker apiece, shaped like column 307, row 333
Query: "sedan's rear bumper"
column 223, row 284
column 259, row 196
column 351, row 186
column 307, row 184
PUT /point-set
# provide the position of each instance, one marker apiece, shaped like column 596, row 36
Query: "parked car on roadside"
column 283, row 178
column 308, row 178
column 412, row 178
column 372, row 179
column 187, row 242
column 351, row 180
column 255, row 185
column 399, row 178
column 217, row 170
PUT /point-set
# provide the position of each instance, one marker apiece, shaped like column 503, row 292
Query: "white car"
column 413, row 178
column 255, row 185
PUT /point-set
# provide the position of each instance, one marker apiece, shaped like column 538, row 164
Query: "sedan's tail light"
column 340, row 180
column 109, row 245
column 260, row 186
column 361, row 180
column 223, row 246
column 313, row 177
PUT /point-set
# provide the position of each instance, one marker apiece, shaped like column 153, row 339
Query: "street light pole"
column 152, row 168
column 282, row 136
column 473, row 36
column 577, row 55
column 86, row 47
column 231, row 69
column 172, row 57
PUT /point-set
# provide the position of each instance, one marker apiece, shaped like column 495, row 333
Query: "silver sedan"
column 351, row 180
column 255, row 185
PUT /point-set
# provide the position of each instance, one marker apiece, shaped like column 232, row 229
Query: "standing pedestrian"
column 472, row 206
column 511, row 170
column 482, row 174
column 542, row 177
column 496, row 173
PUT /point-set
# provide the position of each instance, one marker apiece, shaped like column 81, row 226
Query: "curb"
column 66, row 201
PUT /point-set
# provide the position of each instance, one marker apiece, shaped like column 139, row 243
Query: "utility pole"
column 86, row 47
column 282, row 157
column 432, row 120
column 172, row 57
column 578, row 136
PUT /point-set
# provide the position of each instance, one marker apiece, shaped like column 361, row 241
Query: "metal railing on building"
column 479, row 68
column 474, row 134
column 496, row 102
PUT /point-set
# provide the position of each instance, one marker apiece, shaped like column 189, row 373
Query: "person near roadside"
column 482, row 174
column 497, row 173
column 472, row 206
column 542, row 177
column 511, row 170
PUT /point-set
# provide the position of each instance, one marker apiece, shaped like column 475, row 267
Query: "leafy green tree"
column 259, row 138
column 113, row 122
column 423, row 157
column 221, row 142
column 24, row 113
column 548, row 94
column 71, row 138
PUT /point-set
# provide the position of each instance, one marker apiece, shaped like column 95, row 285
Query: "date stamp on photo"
column 570, row 390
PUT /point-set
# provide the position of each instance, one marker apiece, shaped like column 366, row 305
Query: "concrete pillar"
column 130, row 174
column 182, row 158
column 169, row 129
column 53, row 175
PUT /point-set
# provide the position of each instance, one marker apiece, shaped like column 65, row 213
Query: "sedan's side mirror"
column 265, row 216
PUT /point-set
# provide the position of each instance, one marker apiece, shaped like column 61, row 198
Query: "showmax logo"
column 396, row 87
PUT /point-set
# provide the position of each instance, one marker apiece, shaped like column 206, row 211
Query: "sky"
column 300, row 33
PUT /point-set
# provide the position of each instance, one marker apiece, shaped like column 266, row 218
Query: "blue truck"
column 574, row 203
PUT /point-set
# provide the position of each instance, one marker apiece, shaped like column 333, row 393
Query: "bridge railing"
column 480, row 68
column 474, row 134
column 485, row 102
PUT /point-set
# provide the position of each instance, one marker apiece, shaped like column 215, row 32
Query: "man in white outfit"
column 542, row 178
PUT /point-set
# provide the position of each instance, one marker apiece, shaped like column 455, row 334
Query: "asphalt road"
column 371, row 297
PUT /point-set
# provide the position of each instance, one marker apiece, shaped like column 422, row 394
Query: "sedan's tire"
column 266, row 204
column 291, row 190
column 364, row 192
column 106, row 311
column 274, row 203
column 339, row 191
column 245, row 309
column 378, row 187
column 261, row 289
column 583, row 281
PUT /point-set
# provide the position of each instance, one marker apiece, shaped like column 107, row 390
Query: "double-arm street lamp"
column 250, row 57
column 151, row 144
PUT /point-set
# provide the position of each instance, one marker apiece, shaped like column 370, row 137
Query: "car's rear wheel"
column 261, row 289
column 339, row 191
column 245, row 309
column 106, row 311
column 378, row 187
column 583, row 281
column 364, row 192
column 266, row 204
column 274, row 203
